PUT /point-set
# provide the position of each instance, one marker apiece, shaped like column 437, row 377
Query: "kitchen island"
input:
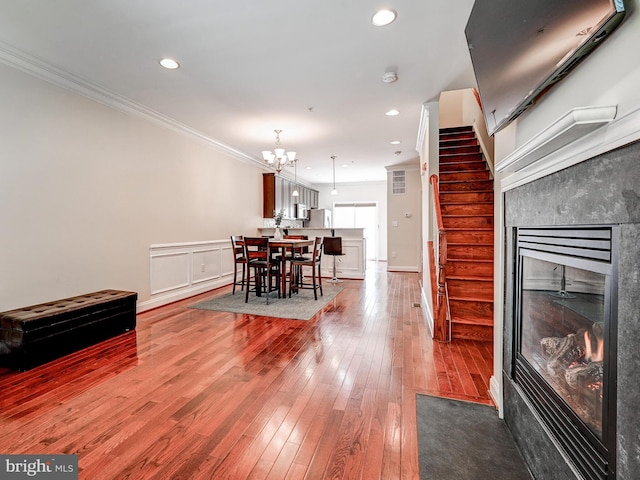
column 350, row 265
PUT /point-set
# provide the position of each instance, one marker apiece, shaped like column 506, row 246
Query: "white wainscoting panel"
column 227, row 262
column 206, row 264
column 182, row 270
column 169, row 270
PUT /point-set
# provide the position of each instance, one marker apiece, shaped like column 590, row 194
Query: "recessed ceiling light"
column 344, row 165
column 392, row 113
column 395, row 142
column 308, row 168
column 169, row 63
column 383, row 17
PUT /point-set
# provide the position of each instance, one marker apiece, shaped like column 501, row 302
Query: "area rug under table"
column 465, row 441
column 300, row 306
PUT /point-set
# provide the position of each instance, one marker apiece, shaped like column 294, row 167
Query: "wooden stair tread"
column 473, row 229
column 466, row 179
column 474, row 244
column 475, row 170
column 470, row 260
column 467, row 205
column 447, row 151
column 486, row 322
column 464, row 167
column 466, row 160
column 467, row 215
column 470, row 279
column 453, row 158
column 488, row 190
column 466, row 149
column 470, row 298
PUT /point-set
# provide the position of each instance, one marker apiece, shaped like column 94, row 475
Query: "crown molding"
column 422, row 127
column 409, row 167
column 44, row 71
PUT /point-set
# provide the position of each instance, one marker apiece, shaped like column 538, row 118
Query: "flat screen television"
column 520, row 48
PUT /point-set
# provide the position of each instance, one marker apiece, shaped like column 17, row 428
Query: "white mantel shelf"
column 577, row 123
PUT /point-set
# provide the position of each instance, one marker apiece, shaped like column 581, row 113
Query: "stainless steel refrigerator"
column 319, row 218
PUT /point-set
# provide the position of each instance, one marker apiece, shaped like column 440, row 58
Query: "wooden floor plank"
column 196, row 394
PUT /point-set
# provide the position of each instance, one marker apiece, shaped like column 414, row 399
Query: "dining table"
column 285, row 244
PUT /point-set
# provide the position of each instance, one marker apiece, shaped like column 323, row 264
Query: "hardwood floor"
column 196, row 394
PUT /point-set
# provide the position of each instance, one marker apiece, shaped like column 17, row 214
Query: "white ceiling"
column 311, row 68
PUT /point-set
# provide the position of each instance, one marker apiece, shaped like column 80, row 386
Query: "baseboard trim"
column 166, row 298
column 426, row 311
column 496, row 396
column 402, row 269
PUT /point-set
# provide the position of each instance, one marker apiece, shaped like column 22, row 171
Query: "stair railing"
column 441, row 322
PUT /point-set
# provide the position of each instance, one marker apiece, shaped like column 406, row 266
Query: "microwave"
column 300, row 211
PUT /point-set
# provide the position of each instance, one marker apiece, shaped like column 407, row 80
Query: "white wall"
column 85, row 190
column 405, row 232
column 365, row 192
column 451, row 109
column 429, row 165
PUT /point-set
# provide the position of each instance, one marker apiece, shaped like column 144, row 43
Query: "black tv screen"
column 519, row 48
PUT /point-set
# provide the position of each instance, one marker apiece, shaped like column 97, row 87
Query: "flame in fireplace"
column 591, row 354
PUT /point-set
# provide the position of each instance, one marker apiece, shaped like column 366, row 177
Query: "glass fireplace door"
column 562, row 333
column 565, row 324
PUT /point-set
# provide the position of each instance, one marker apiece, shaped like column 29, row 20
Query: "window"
column 359, row 215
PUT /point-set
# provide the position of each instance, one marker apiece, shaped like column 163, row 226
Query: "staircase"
column 466, row 201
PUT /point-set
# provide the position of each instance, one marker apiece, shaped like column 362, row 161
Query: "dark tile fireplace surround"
column 604, row 190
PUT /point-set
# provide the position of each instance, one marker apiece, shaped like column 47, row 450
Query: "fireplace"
column 564, row 342
column 597, row 196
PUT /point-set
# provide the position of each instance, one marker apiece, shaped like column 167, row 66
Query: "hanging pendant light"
column 334, row 191
column 295, row 179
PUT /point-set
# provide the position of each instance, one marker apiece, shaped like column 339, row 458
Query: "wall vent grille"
column 399, row 182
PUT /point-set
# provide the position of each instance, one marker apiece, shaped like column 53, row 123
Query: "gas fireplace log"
column 562, row 351
column 581, row 375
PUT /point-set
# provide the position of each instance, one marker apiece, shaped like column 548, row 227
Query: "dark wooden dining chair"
column 298, row 251
column 293, row 253
column 237, row 246
column 265, row 267
column 297, row 281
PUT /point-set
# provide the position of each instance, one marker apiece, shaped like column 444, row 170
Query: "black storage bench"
column 37, row 334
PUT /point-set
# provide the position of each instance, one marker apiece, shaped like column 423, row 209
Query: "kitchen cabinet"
column 276, row 192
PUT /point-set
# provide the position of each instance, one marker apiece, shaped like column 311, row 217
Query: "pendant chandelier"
column 334, row 191
column 278, row 158
column 295, row 179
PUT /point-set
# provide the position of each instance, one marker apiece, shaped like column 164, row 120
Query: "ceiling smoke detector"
column 389, row 77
